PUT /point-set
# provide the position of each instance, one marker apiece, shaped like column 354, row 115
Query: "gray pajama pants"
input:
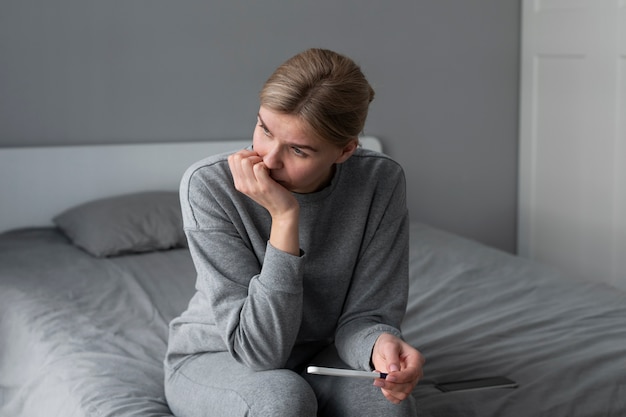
column 214, row 385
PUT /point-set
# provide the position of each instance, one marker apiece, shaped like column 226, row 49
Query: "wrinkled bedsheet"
column 81, row 336
column 475, row 311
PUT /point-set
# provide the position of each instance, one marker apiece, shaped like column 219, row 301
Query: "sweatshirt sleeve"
column 377, row 299
column 250, row 296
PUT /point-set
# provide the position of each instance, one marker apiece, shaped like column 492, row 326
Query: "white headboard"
column 37, row 183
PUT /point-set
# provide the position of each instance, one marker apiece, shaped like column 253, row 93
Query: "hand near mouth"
column 252, row 178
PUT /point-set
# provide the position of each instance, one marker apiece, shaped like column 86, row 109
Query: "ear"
column 347, row 151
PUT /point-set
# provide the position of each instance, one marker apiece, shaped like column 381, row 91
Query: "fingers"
column 250, row 175
column 242, row 165
column 395, row 397
column 399, row 384
column 252, row 178
column 404, row 365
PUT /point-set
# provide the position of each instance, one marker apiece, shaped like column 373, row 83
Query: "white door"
column 572, row 197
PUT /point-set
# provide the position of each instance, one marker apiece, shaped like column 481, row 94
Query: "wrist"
column 284, row 234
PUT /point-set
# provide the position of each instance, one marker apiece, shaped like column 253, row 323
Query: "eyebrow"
column 298, row 145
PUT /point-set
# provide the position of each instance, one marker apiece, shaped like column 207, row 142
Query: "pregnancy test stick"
column 344, row 372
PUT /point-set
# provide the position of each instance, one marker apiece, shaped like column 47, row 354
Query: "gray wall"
column 445, row 72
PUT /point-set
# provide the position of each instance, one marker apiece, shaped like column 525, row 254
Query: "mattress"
column 85, row 336
column 476, row 312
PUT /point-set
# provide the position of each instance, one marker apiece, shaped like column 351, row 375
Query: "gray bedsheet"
column 475, row 311
column 81, row 336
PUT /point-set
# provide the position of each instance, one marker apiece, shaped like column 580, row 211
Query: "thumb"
column 391, row 353
column 393, row 367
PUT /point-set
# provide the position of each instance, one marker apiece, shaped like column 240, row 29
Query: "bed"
column 85, row 299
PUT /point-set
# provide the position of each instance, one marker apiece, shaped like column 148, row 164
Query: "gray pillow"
column 131, row 223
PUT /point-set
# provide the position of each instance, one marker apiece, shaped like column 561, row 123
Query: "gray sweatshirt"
column 261, row 304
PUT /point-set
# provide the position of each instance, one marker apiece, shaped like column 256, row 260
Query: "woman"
column 301, row 248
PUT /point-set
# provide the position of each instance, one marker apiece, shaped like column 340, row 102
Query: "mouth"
column 282, row 182
column 276, row 178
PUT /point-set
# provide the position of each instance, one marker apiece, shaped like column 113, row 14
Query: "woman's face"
column 297, row 159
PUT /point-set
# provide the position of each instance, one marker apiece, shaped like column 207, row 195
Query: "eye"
column 298, row 152
column 266, row 132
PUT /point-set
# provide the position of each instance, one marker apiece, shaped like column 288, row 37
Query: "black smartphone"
column 479, row 383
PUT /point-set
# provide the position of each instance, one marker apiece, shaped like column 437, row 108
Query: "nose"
column 272, row 159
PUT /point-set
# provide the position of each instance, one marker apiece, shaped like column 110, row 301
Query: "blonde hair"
column 326, row 89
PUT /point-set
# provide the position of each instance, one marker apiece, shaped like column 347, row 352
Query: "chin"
column 299, row 189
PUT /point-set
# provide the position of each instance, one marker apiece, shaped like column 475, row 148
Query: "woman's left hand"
column 402, row 363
